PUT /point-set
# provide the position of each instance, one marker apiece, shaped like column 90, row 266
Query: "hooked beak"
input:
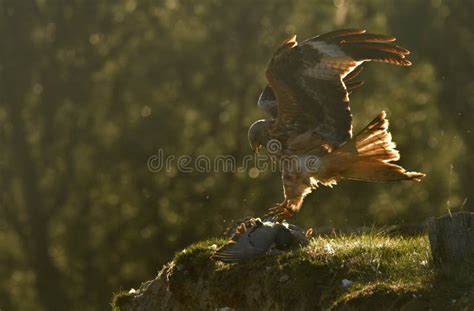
column 255, row 148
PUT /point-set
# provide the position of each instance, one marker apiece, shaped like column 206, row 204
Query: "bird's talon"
column 284, row 214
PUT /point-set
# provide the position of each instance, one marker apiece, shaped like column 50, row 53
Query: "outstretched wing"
column 237, row 251
column 312, row 80
column 268, row 103
column 247, row 242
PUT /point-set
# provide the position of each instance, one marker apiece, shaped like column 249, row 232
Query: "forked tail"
column 368, row 154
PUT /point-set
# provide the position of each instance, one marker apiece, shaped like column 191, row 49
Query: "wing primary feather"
column 339, row 33
column 376, row 53
column 353, row 85
column 390, row 48
column 227, row 254
column 354, row 73
column 365, row 37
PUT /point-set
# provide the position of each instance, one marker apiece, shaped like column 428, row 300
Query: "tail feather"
column 368, row 155
column 380, row 171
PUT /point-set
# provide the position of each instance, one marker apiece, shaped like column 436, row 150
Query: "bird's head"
column 258, row 134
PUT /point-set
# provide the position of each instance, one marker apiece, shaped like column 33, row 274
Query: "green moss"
column 392, row 272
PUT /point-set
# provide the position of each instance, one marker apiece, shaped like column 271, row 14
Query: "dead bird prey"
column 255, row 237
column 310, row 133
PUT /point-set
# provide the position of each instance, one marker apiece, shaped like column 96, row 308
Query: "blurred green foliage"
column 89, row 90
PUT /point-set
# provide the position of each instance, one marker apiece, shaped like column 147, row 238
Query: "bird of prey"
column 255, row 237
column 309, row 133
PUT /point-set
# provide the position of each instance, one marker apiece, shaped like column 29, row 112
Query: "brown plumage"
column 308, row 98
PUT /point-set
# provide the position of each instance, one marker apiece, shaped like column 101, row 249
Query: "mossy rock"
column 357, row 272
